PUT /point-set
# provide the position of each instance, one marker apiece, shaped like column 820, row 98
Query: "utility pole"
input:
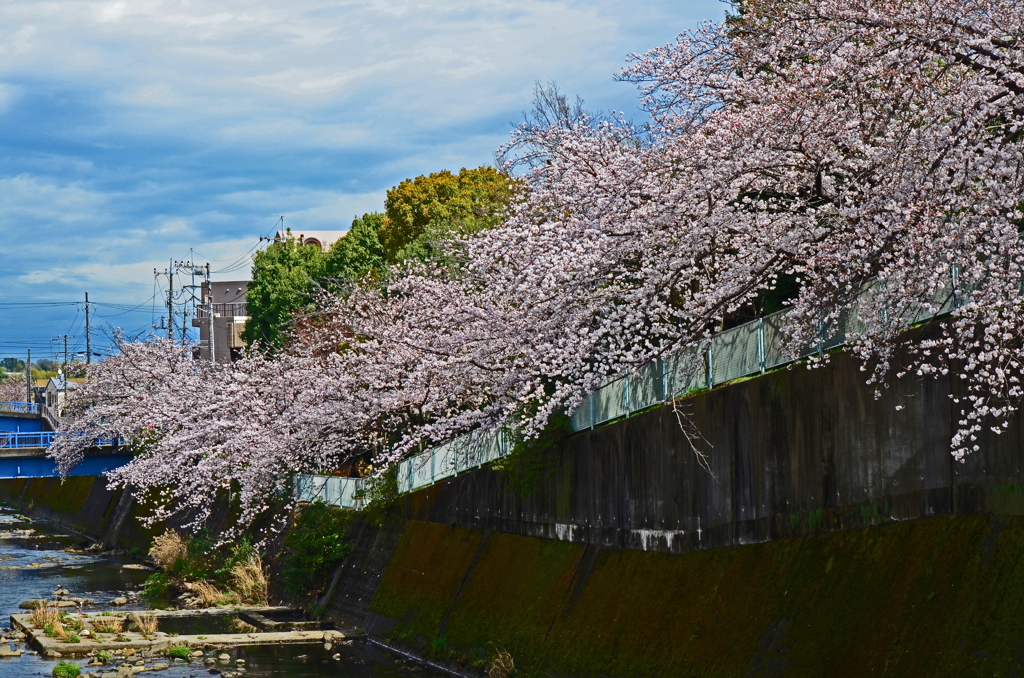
column 88, row 346
column 65, row 356
column 170, row 303
column 28, row 377
column 209, row 289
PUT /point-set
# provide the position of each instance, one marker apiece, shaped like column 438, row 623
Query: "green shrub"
column 245, row 552
column 104, row 656
column 72, row 638
column 314, row 546
column 49, row 630
column 156, row 584
column 67, row 670
column 379, row 495
column 179, row 653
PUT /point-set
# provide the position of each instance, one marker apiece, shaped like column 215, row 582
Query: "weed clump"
column 249, row 581
column 178, row 653
column 502, row 665
column 67, row 670
column 169, row 550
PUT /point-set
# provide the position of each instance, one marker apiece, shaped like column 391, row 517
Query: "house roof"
column 323, row 239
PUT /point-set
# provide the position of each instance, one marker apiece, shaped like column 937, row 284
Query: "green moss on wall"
column 423, row 577
column 939, row 597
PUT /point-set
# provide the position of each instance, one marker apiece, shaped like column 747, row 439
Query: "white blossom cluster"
column 854, row 145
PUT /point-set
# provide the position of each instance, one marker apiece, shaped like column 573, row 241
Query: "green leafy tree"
column 420, row 211
column 282, row 284
column 360, row 253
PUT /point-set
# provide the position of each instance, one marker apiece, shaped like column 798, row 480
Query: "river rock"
column 6, row 651
column 129, row 652
column 160, row 667
column 215, row 671
column 224, row 657
column 91, row 674
column 33, row 604
column 337, row 657
column 328, row 646
column 119, row 601
column 108, row 674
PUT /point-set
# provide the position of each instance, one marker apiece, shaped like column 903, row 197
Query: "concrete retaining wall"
column 792, row 453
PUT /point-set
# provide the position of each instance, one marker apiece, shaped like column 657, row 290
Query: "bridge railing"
column 19, row 408
column 11, row 440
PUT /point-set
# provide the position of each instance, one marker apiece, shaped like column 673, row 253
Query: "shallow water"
column 33, row 563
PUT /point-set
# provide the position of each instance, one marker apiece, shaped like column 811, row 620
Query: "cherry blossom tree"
column 870, row 151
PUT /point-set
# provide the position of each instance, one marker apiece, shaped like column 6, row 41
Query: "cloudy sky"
column 136, row 132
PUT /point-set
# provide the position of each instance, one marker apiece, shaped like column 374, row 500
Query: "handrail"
column 17, row 440
column 17, row 407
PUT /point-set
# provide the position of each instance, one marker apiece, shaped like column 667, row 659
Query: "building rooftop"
column 322, row 239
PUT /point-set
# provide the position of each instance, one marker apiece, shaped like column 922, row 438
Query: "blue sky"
column 135, row 132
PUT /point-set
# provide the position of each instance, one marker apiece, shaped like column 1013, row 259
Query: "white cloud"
column 136, row 130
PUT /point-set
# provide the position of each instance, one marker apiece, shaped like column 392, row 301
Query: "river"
column 34, row 560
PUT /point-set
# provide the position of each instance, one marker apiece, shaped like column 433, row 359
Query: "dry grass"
column 208, row 594
column 249, row 582
column 41, row 616
column 146, row 624
column 168, row 548
column 502, row 665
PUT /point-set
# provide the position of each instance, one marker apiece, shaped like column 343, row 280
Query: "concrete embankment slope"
column 933, row 597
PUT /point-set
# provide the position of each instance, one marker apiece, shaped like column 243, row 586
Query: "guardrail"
column 11, row 440
column 18, row 407
column 49, row 416
column 746, row 350
column 332, row 490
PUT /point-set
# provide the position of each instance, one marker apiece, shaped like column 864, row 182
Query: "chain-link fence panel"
column 646, row 387
column 609, row 401
column 734, row 353
column 776, row 345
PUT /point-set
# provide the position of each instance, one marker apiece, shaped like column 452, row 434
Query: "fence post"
column 665, row 380
column 626, row 379
column 711, row 369
column 760, row 345
column 955, row 273
column 591, row 410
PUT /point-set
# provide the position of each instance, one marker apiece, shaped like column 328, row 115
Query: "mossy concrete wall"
column 795, row 452
column 84, row 505
column 932, row 597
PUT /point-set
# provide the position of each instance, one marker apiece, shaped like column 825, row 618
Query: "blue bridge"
column 25, row 439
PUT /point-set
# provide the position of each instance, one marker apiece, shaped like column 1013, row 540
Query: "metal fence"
column 332, row 490
column 14, row 440
column 752, row 348
column 19, row 408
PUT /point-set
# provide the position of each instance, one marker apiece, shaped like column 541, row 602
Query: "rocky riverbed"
column 96, row 597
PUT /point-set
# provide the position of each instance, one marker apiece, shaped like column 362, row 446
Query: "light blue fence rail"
column 332, row 490
column 749, row 349
column 10, row 440
column 19, row 408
